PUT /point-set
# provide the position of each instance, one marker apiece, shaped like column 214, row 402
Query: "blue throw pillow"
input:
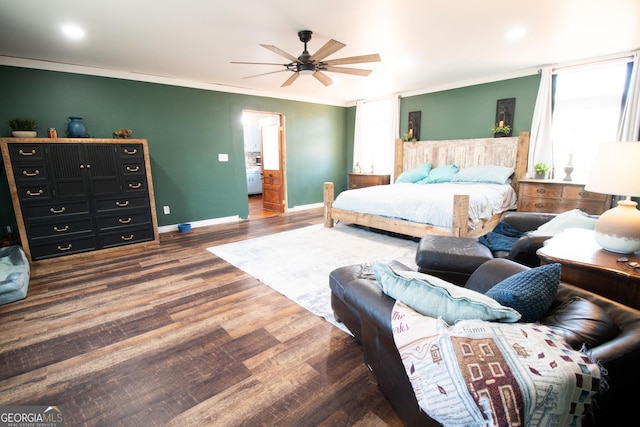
column 415, row 175
column 530, row 292
column 441, row 174
column 434, row 297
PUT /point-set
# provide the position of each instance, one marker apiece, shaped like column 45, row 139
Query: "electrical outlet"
column 167, row 210
column 223, row 157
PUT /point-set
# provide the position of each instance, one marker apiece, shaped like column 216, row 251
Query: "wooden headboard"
column 465, row 153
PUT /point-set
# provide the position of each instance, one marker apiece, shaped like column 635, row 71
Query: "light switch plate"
column 223, row 157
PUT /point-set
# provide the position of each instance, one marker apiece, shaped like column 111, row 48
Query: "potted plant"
column 541, row 170
column 500, row 130
column 23, row 128
column 408, row 137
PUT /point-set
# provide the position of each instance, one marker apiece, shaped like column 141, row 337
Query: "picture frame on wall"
column 413, row 129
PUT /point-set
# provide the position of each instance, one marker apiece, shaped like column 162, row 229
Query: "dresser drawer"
column 541, row 190
column 29, row 172
column 579, row 193
column 135, row 184
column 64, row 226
column 125, row 237
column 130, row 151
column 21, row 152
column 49, row 248
column 133, row 168
column 34, row 192
column 122, row 203
column 357, row 180
column 123, row 220
column 55, row 209
column 529, row 204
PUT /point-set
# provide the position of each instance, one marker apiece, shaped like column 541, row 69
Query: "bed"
column 459, row 205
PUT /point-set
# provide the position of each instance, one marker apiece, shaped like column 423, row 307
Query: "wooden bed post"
column 328, row 203
column 398, row 163
column 460, row 219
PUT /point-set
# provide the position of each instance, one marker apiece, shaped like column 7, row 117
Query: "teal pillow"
column 415, row 175
column 441, row 174
column 530, row 292
column 492, row 174
column 434, row 297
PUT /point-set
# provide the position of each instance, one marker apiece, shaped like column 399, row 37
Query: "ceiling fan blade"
column 354, row 71
column 323, row 78
column 280, row 52
column 257, row 63
column 290, row 80
column 332, row 46
column 264, row 74
column 354, row 59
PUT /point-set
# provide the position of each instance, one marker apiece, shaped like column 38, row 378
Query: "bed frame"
column 512, row 151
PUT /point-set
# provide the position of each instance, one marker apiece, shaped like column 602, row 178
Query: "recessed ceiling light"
column 73, row 32
column 516, row 33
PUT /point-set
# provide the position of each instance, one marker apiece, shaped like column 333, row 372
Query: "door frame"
column 283, row 151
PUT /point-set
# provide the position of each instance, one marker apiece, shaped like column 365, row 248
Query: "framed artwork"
column 505, row 108
column 414, row 125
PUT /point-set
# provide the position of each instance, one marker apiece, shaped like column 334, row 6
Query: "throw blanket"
column 479, row 373
column 501, row 238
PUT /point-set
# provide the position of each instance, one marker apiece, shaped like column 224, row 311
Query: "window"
column 586, row 112
column 376, row 130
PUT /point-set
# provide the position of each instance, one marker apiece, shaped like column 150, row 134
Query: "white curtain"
column 630, row 124
column 376, row 129
column 540, row 143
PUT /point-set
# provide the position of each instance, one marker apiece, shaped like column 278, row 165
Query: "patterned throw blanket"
column 479, row 373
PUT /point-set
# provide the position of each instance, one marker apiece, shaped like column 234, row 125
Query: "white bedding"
column 428, row 203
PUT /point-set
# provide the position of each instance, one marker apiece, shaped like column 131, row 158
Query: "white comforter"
column 428, row 203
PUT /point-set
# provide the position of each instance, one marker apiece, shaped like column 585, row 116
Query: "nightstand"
column 540, row 195
column 586, row 265
column 361, row 180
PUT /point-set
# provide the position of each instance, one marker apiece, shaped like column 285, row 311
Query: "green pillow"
column 530, row 292
column 434, row 297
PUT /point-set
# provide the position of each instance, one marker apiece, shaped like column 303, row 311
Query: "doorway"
column 265, row 162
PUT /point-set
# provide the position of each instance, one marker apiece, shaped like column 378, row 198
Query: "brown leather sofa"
column 360, row 304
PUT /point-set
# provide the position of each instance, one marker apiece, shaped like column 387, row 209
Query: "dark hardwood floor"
column 174, row 336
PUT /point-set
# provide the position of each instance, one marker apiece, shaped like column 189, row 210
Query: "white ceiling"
column 425, row 45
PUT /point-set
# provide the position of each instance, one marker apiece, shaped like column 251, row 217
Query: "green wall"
column 469, row 112
column 186, row 129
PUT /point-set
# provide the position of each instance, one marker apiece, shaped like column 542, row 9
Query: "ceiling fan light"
column 306, row 68
column 306, row 72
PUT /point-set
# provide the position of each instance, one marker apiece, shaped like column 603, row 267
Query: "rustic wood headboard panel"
column 465, row 153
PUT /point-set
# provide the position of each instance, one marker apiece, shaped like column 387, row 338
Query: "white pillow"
column 570, row 219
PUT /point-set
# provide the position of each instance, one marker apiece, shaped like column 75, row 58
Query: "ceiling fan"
column 315, row 64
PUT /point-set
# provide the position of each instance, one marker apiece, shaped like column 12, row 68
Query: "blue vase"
column 76, row 127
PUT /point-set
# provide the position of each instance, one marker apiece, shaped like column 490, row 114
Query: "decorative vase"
column 76, row 127
column 568, row 168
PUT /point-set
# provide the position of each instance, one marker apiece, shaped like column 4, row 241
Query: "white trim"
column 306, row 207
column 203, row 223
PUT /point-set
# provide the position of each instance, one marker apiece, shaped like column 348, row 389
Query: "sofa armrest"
column 526, row 221
column 524, row 250
column 492, row 272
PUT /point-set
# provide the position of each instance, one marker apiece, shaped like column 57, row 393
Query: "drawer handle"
column 583, row 194
column 130, row 169
column 53, row 211
column 135, row 186
column 124, row 221
column 134, row 151
column 67, row 248
column 60, row 230
column 27, row 153
column 127, row 238
column 122, row 204
column 37, row 193
column 539, row 205
column 34, row 173
column 540, row 191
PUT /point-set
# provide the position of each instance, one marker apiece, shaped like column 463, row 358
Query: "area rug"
column 297, row 263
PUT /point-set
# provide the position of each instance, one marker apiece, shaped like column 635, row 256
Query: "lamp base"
column 618, row 229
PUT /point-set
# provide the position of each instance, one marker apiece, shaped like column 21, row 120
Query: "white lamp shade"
column 617, row 171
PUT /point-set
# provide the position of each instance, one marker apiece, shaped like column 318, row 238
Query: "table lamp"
column 617, row 171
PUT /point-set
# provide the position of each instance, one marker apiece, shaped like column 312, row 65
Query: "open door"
column 273, row 164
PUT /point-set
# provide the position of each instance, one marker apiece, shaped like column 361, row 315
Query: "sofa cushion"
column 581, row 322
column 435, row 297
column 530, row 292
